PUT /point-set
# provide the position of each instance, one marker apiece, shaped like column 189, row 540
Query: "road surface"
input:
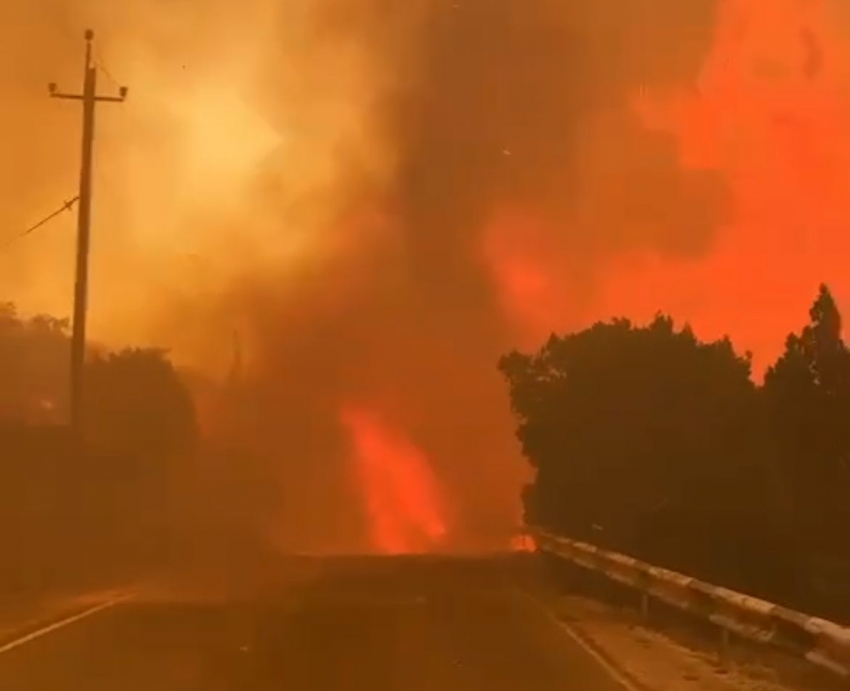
column 412, row 624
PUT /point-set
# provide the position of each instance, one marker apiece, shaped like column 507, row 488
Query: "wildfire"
column 399, row 487
column 523, row 543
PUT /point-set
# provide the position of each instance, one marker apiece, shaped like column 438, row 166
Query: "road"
column 412, row 624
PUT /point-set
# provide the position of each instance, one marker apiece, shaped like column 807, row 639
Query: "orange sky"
column 769, row 111
column 381, row 202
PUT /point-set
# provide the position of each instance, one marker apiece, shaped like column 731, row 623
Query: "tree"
column 108, row 497
column 136, row 402
column 33, row 367
column 141, row 430
column 647, row 440
column 808, row 398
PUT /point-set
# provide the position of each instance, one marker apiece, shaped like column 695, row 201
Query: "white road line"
column 617, row 674
column 62, row 623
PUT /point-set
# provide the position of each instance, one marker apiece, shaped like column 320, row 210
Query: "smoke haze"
column 380, row 201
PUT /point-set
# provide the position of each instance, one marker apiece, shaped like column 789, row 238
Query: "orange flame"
column 523, row 543
column 400, row 489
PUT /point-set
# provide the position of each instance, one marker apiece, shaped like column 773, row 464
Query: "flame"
column 523, row 543
column 399, row 487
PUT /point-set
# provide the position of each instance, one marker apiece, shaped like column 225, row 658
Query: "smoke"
column 514, row 151
column 381, row 198
column 769, row 113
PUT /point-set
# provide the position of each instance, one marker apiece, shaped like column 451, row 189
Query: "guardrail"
column 822, row 642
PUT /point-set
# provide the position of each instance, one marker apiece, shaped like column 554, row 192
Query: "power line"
column 97, row 59
column 67, row 206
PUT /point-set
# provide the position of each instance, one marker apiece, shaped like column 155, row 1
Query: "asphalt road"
column 411, row 624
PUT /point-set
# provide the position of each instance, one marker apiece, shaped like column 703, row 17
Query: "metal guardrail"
column 822, row 642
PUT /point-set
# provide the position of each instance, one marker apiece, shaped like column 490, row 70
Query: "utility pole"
column 89, row 99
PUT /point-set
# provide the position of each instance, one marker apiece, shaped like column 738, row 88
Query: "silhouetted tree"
column 136, row 402
column 33, row 367
column 96, row 510
column 808, row 398
column 135, row 399
column 647, row 440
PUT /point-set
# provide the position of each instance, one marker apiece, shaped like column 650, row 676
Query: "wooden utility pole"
column 89, row 99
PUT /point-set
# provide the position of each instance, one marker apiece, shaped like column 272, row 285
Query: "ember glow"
column 523, row 543
column 400, row 492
